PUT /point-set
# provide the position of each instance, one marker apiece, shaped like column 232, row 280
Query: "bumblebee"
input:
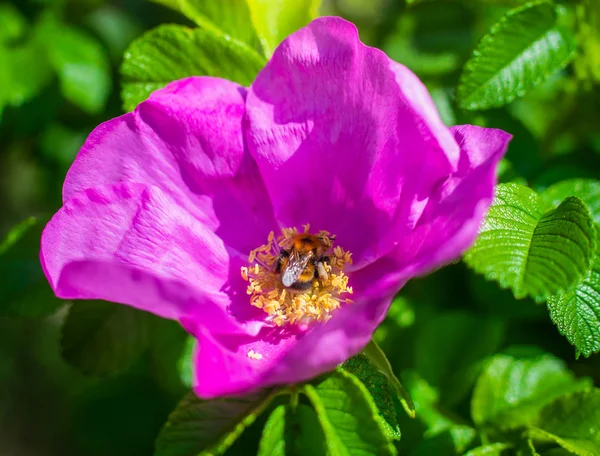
column 303, row 262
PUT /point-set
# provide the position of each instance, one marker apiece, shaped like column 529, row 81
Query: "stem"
column 294, row 397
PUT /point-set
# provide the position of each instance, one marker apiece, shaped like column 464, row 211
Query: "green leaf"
column 185, row 364
column 377, row 384
column 100, row 337
column 588, row 190
column 24, row 292
column 587, row 64
column 173, row 4
column 256, row 23
column 348, row 416
column 274, row 440
column 276, row 19
column 573, row 422
column 431, row 41
column 81, row 62
column 12, row 23
column 445, row 432
column 168, row 345
column 533, row 252
column 526, row 448
column 229, row 17
column 115, row 28
column 426, row 399
column 512, row 390
column 24, row 72
column 553, row 452
column 520, row 51
column 576, row 311
column 398, row 322
column 172, row 52
column 61, row 144
column 380, row 361
column 453, row 440
column 490, row 2
column 292, row 431
column 493, row 449
column 199, row 427
column 450, row 351
column 16, row 233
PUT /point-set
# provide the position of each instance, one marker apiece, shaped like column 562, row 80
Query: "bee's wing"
column 294, row 267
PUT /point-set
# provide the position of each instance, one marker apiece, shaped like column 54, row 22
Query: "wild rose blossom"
column 181, row 207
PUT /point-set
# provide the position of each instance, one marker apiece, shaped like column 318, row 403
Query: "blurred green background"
column 59, row 78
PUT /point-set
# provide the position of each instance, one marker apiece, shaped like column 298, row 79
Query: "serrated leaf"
column 172, row 52
column 573, row 422
column 493, row 449
column 533, row 252
column 209, row 427
column 376, row 356
column 292, row 431
column 274, row 20
column 348, row 416
column 576, row 311
column 377, row 384
column 100, row 337
column 519, row 52
column 512, row 390
column 82, row 64
column 587, row 190
column 25, row 292
column 450, row 351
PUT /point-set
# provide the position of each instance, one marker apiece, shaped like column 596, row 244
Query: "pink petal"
column 452, row 217
column 132, row 244
column 346, row 139
column 187, row 140
column 227, row 365
column 224, row 365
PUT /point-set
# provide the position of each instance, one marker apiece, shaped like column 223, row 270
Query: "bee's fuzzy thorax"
column 286, row 306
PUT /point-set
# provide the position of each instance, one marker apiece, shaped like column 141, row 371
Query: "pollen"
column 254, row 355
column 288, row 306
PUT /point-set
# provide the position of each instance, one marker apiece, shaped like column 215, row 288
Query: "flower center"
column 298, row 278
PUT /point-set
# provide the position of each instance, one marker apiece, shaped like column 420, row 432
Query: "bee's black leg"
column 283, row 254
column 325, row 259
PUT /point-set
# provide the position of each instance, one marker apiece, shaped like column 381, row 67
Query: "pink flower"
column 163, row 205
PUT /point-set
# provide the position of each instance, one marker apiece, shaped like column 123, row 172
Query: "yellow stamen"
column 286, row 306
